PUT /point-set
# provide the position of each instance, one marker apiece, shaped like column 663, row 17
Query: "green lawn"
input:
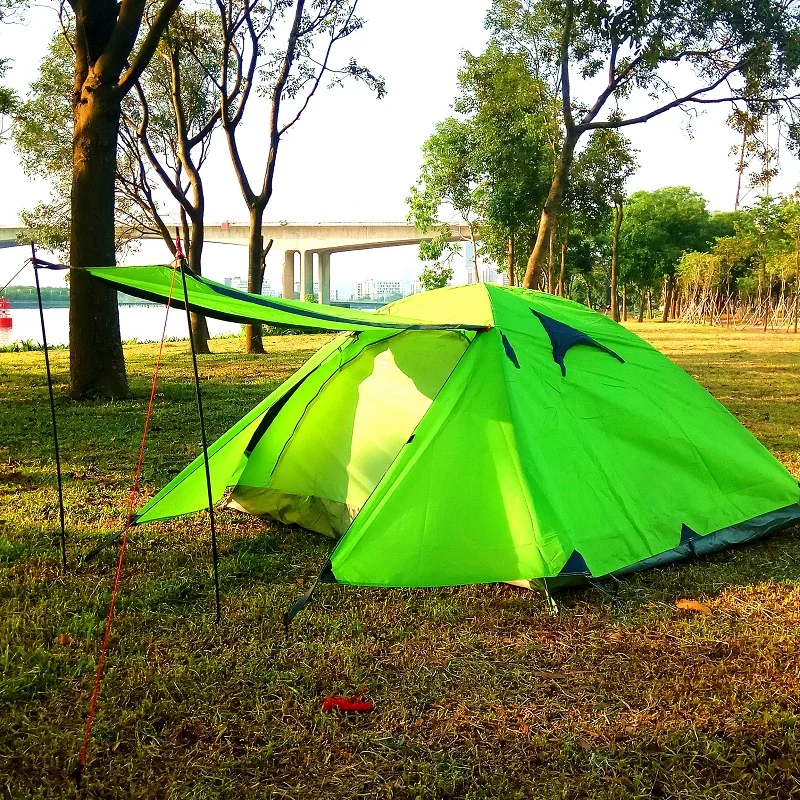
column 479, row 692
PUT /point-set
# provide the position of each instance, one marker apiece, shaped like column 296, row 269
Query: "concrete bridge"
column 309, row 245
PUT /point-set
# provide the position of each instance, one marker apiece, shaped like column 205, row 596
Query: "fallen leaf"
column 548, row 675
column 783, row 764
column 64, row 639
column 693, row 605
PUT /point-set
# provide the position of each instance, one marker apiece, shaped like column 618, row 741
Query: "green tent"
column 478, row 434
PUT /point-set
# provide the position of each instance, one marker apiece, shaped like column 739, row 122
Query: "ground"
column 479, row 692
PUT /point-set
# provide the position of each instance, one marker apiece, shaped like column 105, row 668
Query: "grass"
column 479, row 692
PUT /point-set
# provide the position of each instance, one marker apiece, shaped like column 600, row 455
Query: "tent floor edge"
column 693, row 549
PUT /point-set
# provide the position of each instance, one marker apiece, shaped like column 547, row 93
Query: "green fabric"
column 222, row 302
column 610, row 461
column 327, row 451
column 187, row 492
column 470, row 458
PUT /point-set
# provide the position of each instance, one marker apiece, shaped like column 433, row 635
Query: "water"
column 143, row 323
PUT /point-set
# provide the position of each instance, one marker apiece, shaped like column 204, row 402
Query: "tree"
column 436, row 275
column 736, row 51
column 513, row 151
column 107, row 65
column 601, row 172
column 450, row 175
column 657, row 229
column 291, row 73
column 8, row 102
column 43, row 140
column 490, row 164
column 790, row 213
column 177, row 110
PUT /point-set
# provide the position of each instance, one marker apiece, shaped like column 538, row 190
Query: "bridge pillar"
column 287, row 284
column 324, row 278
column 306, row 273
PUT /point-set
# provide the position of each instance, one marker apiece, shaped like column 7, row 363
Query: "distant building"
column 487, row 273
column 371, row 289
column 240, row 283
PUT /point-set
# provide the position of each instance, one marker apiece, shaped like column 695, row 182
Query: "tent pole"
column 198, row 393
column 52, row 411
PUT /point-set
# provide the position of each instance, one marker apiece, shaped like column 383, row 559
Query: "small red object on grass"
column 355, row 704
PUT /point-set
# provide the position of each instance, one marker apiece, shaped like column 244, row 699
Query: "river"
column 142, row 323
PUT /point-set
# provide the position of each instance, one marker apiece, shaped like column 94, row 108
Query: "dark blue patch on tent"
column 688, row 535
column 576, row 565
column 563, row 337
column 509, row 350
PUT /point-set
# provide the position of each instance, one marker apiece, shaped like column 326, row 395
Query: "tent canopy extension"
column 478, row 434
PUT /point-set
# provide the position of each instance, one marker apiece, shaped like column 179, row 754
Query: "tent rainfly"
column 480, row 434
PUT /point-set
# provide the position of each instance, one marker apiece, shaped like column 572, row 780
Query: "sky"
column 352, row 158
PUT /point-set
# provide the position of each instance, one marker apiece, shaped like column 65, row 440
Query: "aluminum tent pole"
column 52, row 411
column 214, row 552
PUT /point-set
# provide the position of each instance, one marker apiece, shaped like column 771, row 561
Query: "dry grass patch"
column 479, row 692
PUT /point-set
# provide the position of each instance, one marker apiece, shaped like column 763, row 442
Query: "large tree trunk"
column 199, row 324
column 97, row 366
column 618, row 211
column 624, row 303
column 640, row 318
column 549, row 213
column 255, row 275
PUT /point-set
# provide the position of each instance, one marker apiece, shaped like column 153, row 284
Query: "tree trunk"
column 640, row 318
column 796, row 282
column 624, row 303
column 255, row 275
column 618, row 212
column 97, row 365
column 550, row 212
column 475, row 272
column 668, row 289
column 511, row 260
column 649, row 304
column 551, row 258
column 563, row 268
column 199, row 324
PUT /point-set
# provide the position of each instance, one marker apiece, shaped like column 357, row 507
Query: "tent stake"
column 52, row 411
column 214, row 552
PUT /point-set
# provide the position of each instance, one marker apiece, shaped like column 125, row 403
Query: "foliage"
column 514, row 149
column 43, row 141
column 436, row 275
column 658, row 228
column 284, row 50
column 8, row 100
column 754, row 271
column 597, row 56
column 450, row 175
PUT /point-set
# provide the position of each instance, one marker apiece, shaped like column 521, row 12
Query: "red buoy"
column 5, row 313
